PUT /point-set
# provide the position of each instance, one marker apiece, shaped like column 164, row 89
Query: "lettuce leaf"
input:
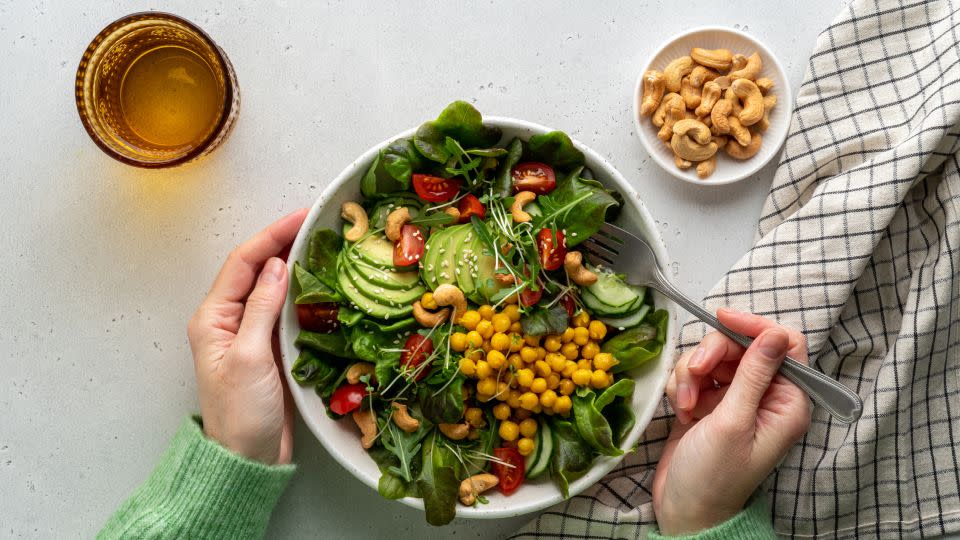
column 577, row 206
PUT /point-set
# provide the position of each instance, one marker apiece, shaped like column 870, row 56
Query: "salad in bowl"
column 450, row 323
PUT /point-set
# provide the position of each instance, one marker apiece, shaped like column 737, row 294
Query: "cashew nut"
column 474, row 485
column 449, row 295
column 719, row 117
column 723, row 82
column 455, row 431
column 701, row 75
column 750, row 70
column 738, row 151
column 505, row 279
column 357, row 370
column 708, row 98
column 765, row 85
column 689, row 93
column 721, row 140
column 519, row 201
column 691, row 141
column 740, row 133
column 737, row 62
column 676, row 112
column 368, row 426
column 429, row 319
column 659, row 116
column 403, row 420
column 712, row 58
column 355, row 214
column 769, row 102
column 681, row 163
column 695, row 129
column 752, row 99
column 579, row 274
column 653, row 87
column 730, row 96
column 452, row 211
column 395, row 222
column 706, row 168
column 677, row 70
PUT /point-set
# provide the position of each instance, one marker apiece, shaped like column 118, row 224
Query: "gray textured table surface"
column 103, row 263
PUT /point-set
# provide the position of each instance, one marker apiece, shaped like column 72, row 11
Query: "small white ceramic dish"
column 728, row 170
column 342, row 439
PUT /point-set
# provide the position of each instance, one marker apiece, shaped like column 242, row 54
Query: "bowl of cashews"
column 712, row 106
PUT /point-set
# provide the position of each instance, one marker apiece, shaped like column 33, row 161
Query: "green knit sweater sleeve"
column 752, row 523
column 200, row 490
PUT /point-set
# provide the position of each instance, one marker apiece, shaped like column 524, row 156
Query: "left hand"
column 243, row 399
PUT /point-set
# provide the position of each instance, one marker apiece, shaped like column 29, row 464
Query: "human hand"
column 243, row 399
column 737, row 418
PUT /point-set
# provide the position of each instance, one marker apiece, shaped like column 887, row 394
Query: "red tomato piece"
column 416, row 350
column 553, row 248
column 435, row 188
column 470, row 206
column 348, row 397
column 409, row 247
column 319, row 317
column 511, row 475
column 568, row 304
column 529, row 298
column 533, row 176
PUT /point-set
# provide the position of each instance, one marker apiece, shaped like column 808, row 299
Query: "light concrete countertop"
column 104, row 263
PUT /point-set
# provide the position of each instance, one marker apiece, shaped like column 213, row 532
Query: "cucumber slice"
column 596, row 307
column 628, row 321
column 612, row 291
column 544, row 450
column 531, row 460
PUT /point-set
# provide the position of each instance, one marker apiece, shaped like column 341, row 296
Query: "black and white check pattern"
column 858, row 245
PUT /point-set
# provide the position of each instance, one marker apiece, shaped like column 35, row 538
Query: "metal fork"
column 617, row 248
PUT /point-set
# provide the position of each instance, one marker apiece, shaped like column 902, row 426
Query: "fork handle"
column 843, row 403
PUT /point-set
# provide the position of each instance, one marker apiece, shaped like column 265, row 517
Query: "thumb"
column 757, row 368
column 264, row 303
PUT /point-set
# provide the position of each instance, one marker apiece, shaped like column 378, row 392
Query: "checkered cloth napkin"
column 858, row 245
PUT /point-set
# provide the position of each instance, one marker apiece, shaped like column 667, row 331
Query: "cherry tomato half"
column 553, row 248
column 415, row 351
column 533, row 176
column 568, row 304
column 470, row 206
column 348, row 397
column 319, row 317
column 409, row 247
column 510, row 476
column 434, row 188
column 529, row 298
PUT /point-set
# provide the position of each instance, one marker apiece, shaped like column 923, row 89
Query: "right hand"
column 737, row 418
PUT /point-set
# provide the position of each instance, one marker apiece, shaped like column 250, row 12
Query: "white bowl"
column 728, row 170
column 342, row 439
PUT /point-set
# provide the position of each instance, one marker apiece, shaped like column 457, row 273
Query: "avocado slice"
column 466, row 264
column 386, row 277
column 445, row 268
column 376, row 250
column 430, row 254
column 382, row 295
column 485, row 269
column 367, row 305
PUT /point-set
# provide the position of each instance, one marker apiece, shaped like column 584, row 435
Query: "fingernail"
column 683, row 417
column 684, row 396
column 697, row 357
column 773, row 343
column 273, row 270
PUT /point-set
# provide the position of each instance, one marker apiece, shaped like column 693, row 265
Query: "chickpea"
column 503, row 391
column 604, row 361
column 486, row 312
column 583, row 363
column 427, row 301
column 509, row 430
column 541, row 368
column 525, row 446
column 548, row 399
column 458, row 341
column 500, row 341
column 597, row 330
column 553, row 381
column 513, row 400
column 516, row 341
column 501, row 411
column 589, row 350
column 580, row 377
column 570, row 350
column 568, row 368
column 567, row 335
column 556, row 361
column 474, row 416
column 567, row 387
column 496, row 360
column 516, row 328
column 525, row 377
column 475, row 354
column 541, row 353
column 580, row 336
column 501, row 323
column 468, row 367
column 515, row 362
column 552, row 343
column 581, row 320
column 599, row 379
column 563, row 405
column 486, row 387
column 532, row 341
column 469, row 319
column 539, row 385
column 522, row 414
column 528, row 354
column 512, row 312
column 484, row 370
column 528, row 427
column 528, row 400
column 474, row 339
column 485, row 328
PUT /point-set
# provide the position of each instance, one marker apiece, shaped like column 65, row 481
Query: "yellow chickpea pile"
column 526, row 374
